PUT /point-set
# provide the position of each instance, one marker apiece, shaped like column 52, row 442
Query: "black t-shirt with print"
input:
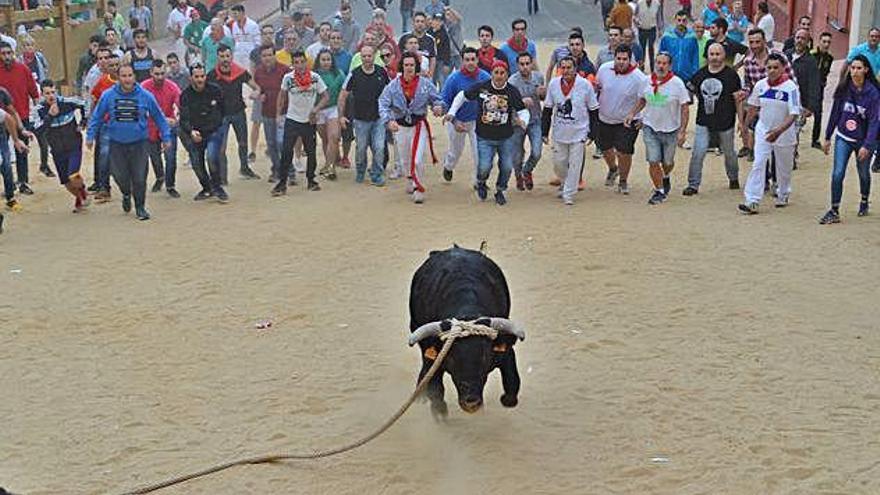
column 365, row 90
column 716, row 108
column 497, row 108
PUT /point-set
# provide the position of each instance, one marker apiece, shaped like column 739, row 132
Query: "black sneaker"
column 291, row 181
column 221, row 195
column 482, row 191
column 657, row 198
column 248, row 174
column 173, row 192
column 25, row 189
column 500, row 200
column 142, row 214
column 520, row 183
column 830, row 217
column 157, row 186
column 313, row 186
column 279, row 190
column 252, row 157
column 126, row 203
column 611, row 177
column 1, row 223
column 447, row 175
column 816, row 145
column 743, row 152
column 202, row 195
column 667, row 185
column 863, row 209
column 93, row 188
column 748, row 208
column 690, row 191
column 733, row 184
column 47, row 171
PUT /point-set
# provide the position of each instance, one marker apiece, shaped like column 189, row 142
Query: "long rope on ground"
column 459, row 329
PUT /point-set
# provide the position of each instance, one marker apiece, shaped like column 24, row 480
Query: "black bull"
column 466, row 285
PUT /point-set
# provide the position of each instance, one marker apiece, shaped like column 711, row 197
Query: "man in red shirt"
column 268, row 75
column 17, row 79
column 107, row 80
column 167, row 94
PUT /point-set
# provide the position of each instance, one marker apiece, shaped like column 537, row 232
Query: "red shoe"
column 529, row 182
column 520, row 183
column 582, row 185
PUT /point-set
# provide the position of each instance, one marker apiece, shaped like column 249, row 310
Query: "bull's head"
column 471, row 358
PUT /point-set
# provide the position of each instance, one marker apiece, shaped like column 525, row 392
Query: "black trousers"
column 294, row 130
column 128, row 164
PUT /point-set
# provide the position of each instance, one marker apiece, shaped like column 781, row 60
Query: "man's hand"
column 541, row 91
column 520, row 122
column 460, row 127
column 627, row 122
column 20, row 145
column 527, row 101
column 806, row 113
column 165, row 145
column 739, row 96
column 545, row 140
column 682, row 137
column 343, row 122
column 26, row 133
column 864, row 154
column 256, row 96
column 772, row 135
column 826, row 147
column 448, row 118
column 393, row 126
column 313, row 116
column 196, row 136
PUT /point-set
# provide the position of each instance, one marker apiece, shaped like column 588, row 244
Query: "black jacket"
column 809, row 79
column 201, row 110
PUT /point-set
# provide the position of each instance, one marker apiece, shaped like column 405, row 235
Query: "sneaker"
column 157, row 186
column 279, row 190
column 743, row 152
column 23, row 188
column 313, row 186
column 252, row 157
column 345, row 163
column 93, row 188
column 623, row 188
column 47, row 171
column 667, row 185
column 359, row 177
column 863, row 209
column 611, row 177
column 142, row 214
column 272, row 178
column 13, row 205
column 202, row 195
column 582, row 184
column 394, row 174
column 830, row 217
column 733, row 184
column 482, row 191
column 331, row 175
column 410, row 187
column 555, row 181
column 102, row 196
column 690, row 191
column 816, row 145
column 717, row 151
column 221, row 195
column 781, row 202
column 568, row 201
column 173, row 192
column 520, row 183
column 529, row 181
column 126, row 203
column 418, row 197
column 500, row 200
column 447, row 175
column 248, row 174
column 657, row 198
column 687, row 145
column 378, row 181
column 749, row 208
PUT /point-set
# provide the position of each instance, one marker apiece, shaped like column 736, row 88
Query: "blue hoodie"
column 685, row 52
column 856, row 116
column 126, row 116
column 459, row 82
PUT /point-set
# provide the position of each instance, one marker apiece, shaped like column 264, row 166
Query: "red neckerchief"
column 471, row 75
column 779, row 81
column 303, row 80
column 409, row 88
column 656, row 83
column 627, row 71
column 486, row 56
column 713, row 7
column 234, row 71
column 27, row 58
column 566, row 86
column 518, row 48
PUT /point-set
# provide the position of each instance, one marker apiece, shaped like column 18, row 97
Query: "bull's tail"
column 484, row 246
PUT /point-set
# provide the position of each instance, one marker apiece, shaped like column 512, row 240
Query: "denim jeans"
column 701, row 144
column 842, row 151
column 370, row 134
column 486, row 150
column 405, row 18
column 169, row 172
column 21, row 157
column 533, row 132
column 6, row 167
column 239, row 124
column 274, row 134
column 103, row 178
column 210, row 150
column 647, row 37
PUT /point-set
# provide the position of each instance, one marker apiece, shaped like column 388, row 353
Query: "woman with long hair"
column 328, row 118
column 855, row 121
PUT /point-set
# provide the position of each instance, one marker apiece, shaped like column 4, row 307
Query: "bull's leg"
column 435, row 390
column 509, row 379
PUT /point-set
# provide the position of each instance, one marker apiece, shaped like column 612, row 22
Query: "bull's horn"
column 508, row 326
column 427, row 330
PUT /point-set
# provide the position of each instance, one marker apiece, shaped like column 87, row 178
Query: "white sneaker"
column 410, row 187
column 418, row 197
column 394, row 174
column 568, row 201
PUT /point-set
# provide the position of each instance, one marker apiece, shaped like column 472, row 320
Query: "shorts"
column 617, row 137
column 327, row 115
column 257, row 111
column 660, row 146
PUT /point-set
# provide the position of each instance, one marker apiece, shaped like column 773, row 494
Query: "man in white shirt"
column 621, row 86
column 765, row 22
column 646, row 20
column 323, row 42
column 665, row 102
column 568, row 107
column 777, row 98
column 245, row 33
column 178, row 19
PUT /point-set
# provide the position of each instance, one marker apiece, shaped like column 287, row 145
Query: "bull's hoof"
column 508, row 400
column 439, row 410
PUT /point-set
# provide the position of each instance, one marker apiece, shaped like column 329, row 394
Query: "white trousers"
column 754, row 189
column 568, row 158
column 405, row 141
column 456, row 145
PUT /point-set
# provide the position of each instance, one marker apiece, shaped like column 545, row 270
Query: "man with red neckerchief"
column 487, row 53
column 621, row 87
column 518, row 43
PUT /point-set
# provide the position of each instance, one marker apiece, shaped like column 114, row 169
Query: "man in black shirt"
column 201, row 119
column 427, row 44
column 140, row 58
column 719, row 95
column 230, row 77
column 500, row 108
column 824, row 59
column 443, row 49
column 718, row 32
column 806, row 72
column 365, row 85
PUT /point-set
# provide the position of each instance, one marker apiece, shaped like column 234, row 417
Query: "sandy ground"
column 679, row 349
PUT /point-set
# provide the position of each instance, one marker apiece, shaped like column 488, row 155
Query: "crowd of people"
column 340, row 82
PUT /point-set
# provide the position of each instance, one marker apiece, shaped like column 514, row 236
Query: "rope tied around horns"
column 460, row 329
